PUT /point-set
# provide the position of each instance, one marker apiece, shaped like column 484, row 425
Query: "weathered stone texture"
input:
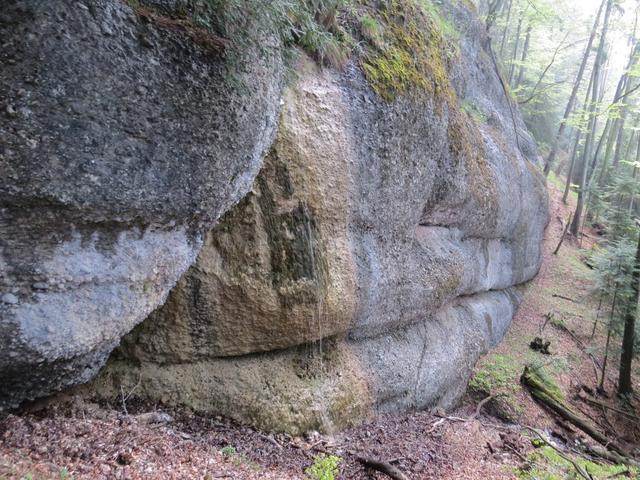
column 122, row 139
column 374, row 258
column 395, row 232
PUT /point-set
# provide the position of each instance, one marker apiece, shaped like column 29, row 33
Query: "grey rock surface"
column 123, row 136
column 371, row 265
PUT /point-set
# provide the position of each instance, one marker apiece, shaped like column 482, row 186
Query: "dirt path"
column 87, row 441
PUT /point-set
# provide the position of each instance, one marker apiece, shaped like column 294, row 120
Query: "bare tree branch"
column 544, row 72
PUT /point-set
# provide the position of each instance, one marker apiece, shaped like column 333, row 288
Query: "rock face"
column 373, row 261
column 123, row 136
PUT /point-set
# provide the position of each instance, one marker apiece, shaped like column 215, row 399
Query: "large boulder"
column 124, row 134
column 375, row 258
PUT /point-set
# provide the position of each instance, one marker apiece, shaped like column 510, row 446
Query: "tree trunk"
column 493, row 10
column 523, row 58
column 586, row 155
column 623, row 89
column 539, row 390
column 576, row 149
column 633, row 59
column 606, row 133
column 506, row 30
column 613, row 134
column 574, row 92
column 514, row 58
column 574, row 154
column 628, row 337
column 609, row 329
column 595, row 321
column 635, row 173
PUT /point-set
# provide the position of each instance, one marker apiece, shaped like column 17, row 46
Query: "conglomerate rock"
column 123, row 136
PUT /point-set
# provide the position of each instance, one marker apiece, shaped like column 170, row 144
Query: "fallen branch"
column 452, row 419
column 519, row 455
column 564, row 234
column 271, row 440
column 541, row 393
column 481, row 404
column 624, row 473
column 375, row 464
column 593, row 401
column 382, row 467
column 582, row 347
column 126, row 397
column 435, row 425
column 564, row 298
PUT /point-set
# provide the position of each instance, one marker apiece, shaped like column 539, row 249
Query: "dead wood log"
column 540, row 392
column 382, row 467
column 613, row 457
column 581, row 471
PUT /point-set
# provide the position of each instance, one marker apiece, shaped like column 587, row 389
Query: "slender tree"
column 633, row 59
column 628, row 337
column 525, row 52
column 572, row 163
column 574, row 155
column 588, row 148
column 574, row 91
column 506, row 28
column 516, row 48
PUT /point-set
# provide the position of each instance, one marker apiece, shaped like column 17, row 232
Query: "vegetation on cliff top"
column 401, row 44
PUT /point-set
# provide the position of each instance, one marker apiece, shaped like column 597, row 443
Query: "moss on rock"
column 414, row 55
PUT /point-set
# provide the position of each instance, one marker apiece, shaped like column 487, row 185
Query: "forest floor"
column 83, row 440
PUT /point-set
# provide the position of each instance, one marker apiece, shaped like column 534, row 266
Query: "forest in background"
column 573, row 69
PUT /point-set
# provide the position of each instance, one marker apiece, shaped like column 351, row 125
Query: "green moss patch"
column 415, row 51
column 538, row 376
column 498, row 376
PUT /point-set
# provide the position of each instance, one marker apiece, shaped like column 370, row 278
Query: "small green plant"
column 324, row 467
column 444, row 24
column 372, row 30
column 228, row 451
column 498, row 376
column 64, row 474
column 474, row 112
column 557, row 322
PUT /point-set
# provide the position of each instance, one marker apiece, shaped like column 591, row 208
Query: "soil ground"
column 83, row 440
